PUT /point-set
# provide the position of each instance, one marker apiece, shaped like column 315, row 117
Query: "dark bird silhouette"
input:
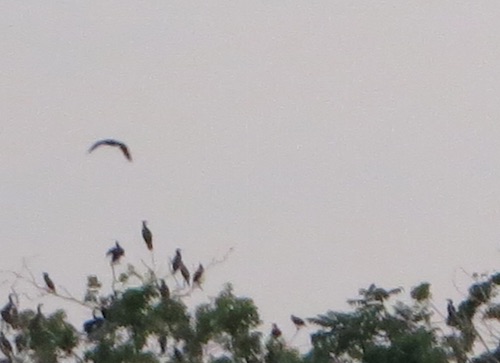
column 111, row 142
column 10, row 314
column 90, row 326
column 164, row 290
column 5, row 346
column 298, row 322
column 198, row 275
column 37, row 322
column 49, row 283
column 116, row 253
column 147, row 235
column 162, row 341
column 452, row 319
column 176, row 263
column 21, row 342
column 275, row 331
column 179, row 357
column 185, row 273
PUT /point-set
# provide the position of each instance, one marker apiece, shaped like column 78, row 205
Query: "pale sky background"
column 332, row 143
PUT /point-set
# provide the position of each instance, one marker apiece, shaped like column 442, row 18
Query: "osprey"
column 116, row 253
column 111, row 142
column 147, row 235
column 49, row 283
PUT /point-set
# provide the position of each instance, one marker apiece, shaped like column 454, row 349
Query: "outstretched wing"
column 111, row 142
column 125, row 151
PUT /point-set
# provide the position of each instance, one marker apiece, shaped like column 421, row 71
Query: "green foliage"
column 138, row 324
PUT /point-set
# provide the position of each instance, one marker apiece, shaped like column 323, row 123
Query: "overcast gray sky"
column 332, row 143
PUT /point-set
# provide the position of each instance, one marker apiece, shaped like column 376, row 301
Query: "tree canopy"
column 150, row 322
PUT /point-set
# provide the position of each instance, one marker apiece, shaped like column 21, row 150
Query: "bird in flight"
column 111, row 142
column 49, row 283
column 147, row 235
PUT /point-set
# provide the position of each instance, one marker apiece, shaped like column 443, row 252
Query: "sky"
column 330, row 144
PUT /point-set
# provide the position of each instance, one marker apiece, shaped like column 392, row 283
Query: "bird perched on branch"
column 164, row 290
column 5, row 346
column 147, row 235
column 9, row 313
column 111, row 142
column 90, row 326
column 50, row 285
column 178, row 356
column 116, row 253
column 452, row 319
column 298, row 322
column 162, row 341
column 185, row 273
column 197, row 277
column 275, row 331
column 176, row 263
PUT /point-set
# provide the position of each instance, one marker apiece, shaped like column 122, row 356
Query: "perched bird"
column 21, row 342
column 164, row 290
column 37, row 322
column 162, row 341
column 275, row 331
column 185, row 273
column 92, row 325
column 147, row 235
column 298, row 322
column 198, row 275
column 452, row 318
column 49, row 283
column 116, row 253
column 176, row 263
column 9, row 313
column 111, row 142
column 5, row 345
column 178, row 355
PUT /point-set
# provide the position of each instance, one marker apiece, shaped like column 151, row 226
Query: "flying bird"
column 176, row 263
column 185, row 272
column 49, row 283
column 298, row 322
column 275, row 331
column 111, row 142
column 116, row 253
column 147, row 235
column 198, row 275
